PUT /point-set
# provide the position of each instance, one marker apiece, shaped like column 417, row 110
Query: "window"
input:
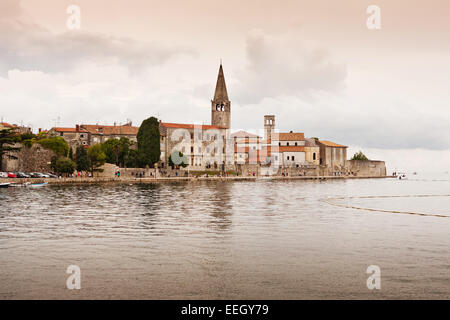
column 287, row 143
column 314, row 156
column 288, row 157
column 293, row 158
column 192, row 149
column 279, row 143
column 81, row 135
column 296, row 144
column 276, row 158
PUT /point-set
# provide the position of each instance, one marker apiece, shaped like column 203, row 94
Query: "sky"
column 315, row 65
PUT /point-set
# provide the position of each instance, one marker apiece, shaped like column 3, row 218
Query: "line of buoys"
column 327, row 200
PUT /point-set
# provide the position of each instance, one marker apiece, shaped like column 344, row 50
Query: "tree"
column 71, row 153
column 117, row 151
column 359, row 156
column 124, row 150
column 82, row 159
column 178, row 159
column 57, row 144
column 132, row 161
column 111, row 149
column 97, row 157
column 63, row 165
column 8, row 139
column 27, row 139
column 149, row 148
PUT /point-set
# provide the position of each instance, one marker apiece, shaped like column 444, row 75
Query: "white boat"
column 4, row 185
column 19, row 185
column 37, row 185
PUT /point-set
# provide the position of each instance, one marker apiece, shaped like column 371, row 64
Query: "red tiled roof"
column 5, row 124
column 110, row 130
column 61, row 129
column 288, row 136
column 332, row 144
column 190, row 126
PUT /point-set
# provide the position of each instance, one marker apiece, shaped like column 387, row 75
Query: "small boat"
column 4, row 185
column 402, row 176
column 37, row 185
column 18, row 185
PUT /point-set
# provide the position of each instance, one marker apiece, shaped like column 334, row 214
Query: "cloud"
column 26, row 45
column 282, row 65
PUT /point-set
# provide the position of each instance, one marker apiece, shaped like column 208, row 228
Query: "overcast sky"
column 314, row 64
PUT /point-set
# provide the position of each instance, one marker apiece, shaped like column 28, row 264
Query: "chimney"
column 77, row 128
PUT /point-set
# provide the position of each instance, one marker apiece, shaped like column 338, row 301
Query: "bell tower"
column 220, row 105
column 269, row 126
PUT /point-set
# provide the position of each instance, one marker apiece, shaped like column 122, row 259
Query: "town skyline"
column 340, row 83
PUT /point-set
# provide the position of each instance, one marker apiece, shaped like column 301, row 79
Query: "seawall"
column 74, row 181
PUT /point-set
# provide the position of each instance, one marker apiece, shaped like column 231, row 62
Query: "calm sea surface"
column 227, row 240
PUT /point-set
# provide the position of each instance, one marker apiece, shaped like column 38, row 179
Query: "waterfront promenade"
column 85, row 180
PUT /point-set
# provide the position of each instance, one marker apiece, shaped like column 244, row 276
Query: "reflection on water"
column 264, row 239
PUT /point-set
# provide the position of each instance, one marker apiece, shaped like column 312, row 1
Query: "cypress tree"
column 149, row 149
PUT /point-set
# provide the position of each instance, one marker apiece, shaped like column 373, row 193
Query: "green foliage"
column 97, row 157
column 179, row 159
column 57, row 144
column 359, row 156
column 8, row 138
column 149, row 148
column 71, row 153
column 132, row 161
column 82, row 159
column 117, row 151
column 28, row 139
column 63, row 165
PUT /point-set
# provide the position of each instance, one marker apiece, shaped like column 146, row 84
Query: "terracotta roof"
column 61, row 129
column 332, row 144
column 5, row 124
column 288, row 149
column 244, row 134
column 288, row 136
column 110, row 130
column 190, row 126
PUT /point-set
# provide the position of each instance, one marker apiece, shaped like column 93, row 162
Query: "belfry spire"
column 221, row 106
column 221, row 88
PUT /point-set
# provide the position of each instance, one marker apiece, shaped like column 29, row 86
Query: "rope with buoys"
column 327, row 200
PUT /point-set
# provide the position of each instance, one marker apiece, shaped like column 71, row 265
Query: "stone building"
column 74, row 136
column 333, row 157
column 204, row 146
column 87, row 134
column 312, row 151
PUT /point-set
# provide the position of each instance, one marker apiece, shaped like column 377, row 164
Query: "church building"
column 203, row 146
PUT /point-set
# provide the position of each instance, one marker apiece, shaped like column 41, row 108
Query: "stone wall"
column 367, row 168
column 34, row 159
